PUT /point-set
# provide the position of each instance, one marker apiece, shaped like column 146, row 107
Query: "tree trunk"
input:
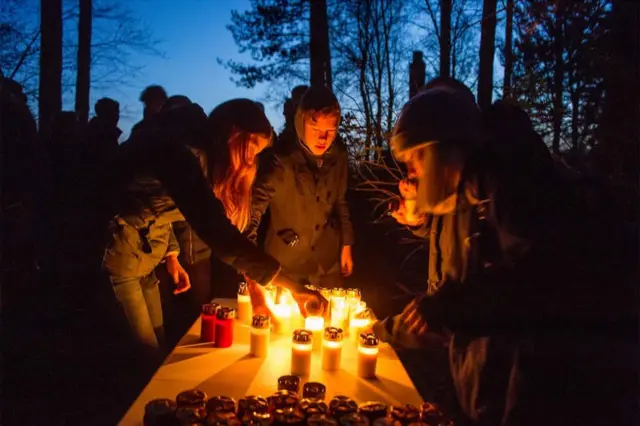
column 83, row 78
column 320, row 53
column 508, row 52
column 50, row 85
column 619, row 133
column 445, row 38
column 558, row 76
column 487, row 51
column 417, row 71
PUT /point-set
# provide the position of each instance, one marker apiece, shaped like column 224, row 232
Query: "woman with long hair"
column 170, row 172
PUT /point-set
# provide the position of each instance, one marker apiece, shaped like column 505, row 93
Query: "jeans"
column 130, row 263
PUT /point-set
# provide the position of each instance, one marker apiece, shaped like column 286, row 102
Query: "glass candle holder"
column 359, row 322
column 282, row 322
column 353, row 297
column 315, row 325
column 332, row 349
column 338, row 308
column 245, row 311
column 224, row 327
column 373, row 410
column 289, row 383
column 314, row 390
column 301, row 353
column 208, row 322
column 221, row 404
column 259, row 343
column 368, row 355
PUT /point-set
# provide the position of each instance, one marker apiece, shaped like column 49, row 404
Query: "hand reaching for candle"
column 259, row 300
column 306, row 299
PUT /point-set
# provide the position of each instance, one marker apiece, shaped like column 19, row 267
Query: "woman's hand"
column 177, row 272
column 307, row 300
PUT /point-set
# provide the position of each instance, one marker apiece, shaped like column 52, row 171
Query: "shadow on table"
column 236, row 379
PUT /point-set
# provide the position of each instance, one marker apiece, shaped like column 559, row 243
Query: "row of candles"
column 348, row 316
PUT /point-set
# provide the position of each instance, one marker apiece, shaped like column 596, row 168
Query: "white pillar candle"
column 315, row 325
column 259, row 344
column 301, row 353
column 338, row 308
column 270, row 294
column 359, row 323
column 368, row 356
column 244, row 311
column 332, row 349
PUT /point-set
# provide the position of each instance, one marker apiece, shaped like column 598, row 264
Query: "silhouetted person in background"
column 103, row 131
column 153, row 97
column 288, row 136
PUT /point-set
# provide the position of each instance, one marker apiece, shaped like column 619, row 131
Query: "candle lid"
column 302, row 336
column 363, row 314
column 222, row 419
column 243, row 289
column 354, row 419
column 314, row 390
column 342, row 404
column 338, row 292
column 225, row 313
column 313, row 406
column 407, row 412
column 252, row 404
column 191, row 398
column 369, row 340
column 334, row 334
column 210, row 308
column 260, row 321
column 312, row 287
column 283, row 399
column 290, row 383
column 190, row 414
column 160, row 407
column 221, row 404
column 321, row 420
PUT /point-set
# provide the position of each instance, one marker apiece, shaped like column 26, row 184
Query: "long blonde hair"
column 233, row 177
column 237, row 125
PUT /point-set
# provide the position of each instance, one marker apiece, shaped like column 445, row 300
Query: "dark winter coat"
column 164, row 183
column 308, row 200
column 103, row 137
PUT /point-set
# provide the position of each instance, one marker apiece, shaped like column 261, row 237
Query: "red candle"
column 224, row 327
column 208, row 322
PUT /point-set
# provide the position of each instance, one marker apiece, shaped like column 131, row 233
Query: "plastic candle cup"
column 283, row 313
column 259, row 344
column 270, row 294
column 316, row 326
column 359, row 322
column 301, row 353
column 326, row 293
column 368, row 355
column 224, row 327
column 332, row 349
column 339, row 311
column 208, row 322
column 315, row 391
column 289, row 383
column 244, row 312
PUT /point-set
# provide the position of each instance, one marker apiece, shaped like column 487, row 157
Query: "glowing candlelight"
column 367, row 355
column 359, row 322
column 282, row 311
column 270, row 294
column 338, row 308
column 244, row 311
column 332, row 349
column 301, row 353
column 315, row 325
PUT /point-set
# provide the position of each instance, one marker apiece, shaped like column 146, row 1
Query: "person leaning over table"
column 304, row 187
column 537, row 337
column 162, row 181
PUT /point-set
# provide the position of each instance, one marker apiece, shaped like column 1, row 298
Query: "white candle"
column 244, row 311
column 301, row 353
column 332, row 349
column 368, row 356
column 338, row 308
column 270, row 294
column 359, row 323
column 259, row 344
column 316, row 326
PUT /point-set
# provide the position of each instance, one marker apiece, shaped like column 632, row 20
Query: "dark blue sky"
column 193, row 35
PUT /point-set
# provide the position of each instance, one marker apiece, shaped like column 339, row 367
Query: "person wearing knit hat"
column 304, row 186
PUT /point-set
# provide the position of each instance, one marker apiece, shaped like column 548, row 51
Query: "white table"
column 233, row 372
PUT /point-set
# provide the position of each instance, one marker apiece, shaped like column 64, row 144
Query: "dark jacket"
column 307, row 200
column 162, row 180
column 103, row 137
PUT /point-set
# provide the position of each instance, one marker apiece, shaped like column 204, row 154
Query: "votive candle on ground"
column 244, row 312
column 332, row 349
column 315, row 325
column 259, row 344
column 224, row 327
column 301, row 353
column 368, row 355
column 208, row 322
